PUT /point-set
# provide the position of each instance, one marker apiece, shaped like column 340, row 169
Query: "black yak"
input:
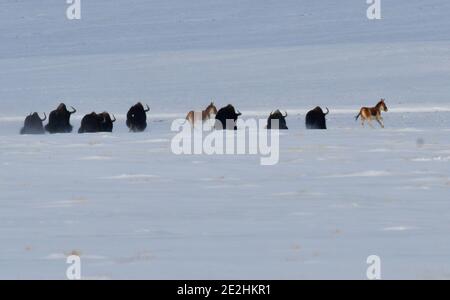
column 94, row 122
column 33, row 124
column 107, row 124
column 90, row 123
column 277, row 115
column 315, row 119
column 137, row 117
column 59, row 120
column 226, row 118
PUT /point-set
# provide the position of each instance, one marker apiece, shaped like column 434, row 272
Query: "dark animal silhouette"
column 277, row 115
column 226, row 118
column 137, row 118
column 108, row 124
column 59, row 120
column 33, row 124
column 315, row 119
column 94, row 122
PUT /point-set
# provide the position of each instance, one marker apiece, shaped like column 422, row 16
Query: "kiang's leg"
column 380, row 121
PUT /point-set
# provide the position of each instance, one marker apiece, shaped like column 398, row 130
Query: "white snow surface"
column 133, row 210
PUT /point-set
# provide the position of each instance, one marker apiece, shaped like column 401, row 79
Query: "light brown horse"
column 372, row 113
column 206, row 114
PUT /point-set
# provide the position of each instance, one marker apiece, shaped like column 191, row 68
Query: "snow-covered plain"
column 132, row 209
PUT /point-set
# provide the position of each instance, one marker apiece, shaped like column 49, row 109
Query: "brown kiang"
column 206, row 114
column 372, row 113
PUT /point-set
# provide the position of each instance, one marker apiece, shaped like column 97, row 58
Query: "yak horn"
column 328, row 111
column 73, row 110
column 286, row 114
column 239, row 113
column 114, row 119
column 45, row 118
column 148, row 108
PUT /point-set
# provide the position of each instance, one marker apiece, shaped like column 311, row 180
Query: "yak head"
column 232, row 112
column 63, row 108
column 35, row 117
column 140, row 106
column 319, row 109
column 277, row 115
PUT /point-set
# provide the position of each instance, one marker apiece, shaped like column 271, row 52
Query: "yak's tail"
column 356, row 118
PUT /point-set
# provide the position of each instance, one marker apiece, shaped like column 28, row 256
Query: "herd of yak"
column 225, row 118
column 59, row 121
